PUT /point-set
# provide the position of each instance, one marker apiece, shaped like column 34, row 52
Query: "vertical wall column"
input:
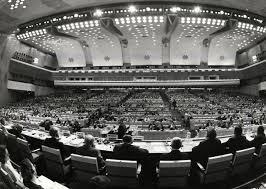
column 170, row 26
column 107, row 24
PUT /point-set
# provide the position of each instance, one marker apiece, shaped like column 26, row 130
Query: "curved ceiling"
column 31, row 9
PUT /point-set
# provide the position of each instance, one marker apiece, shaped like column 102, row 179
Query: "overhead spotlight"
column 132, row 9
column 98, row 13
column 175, row 9
column 197, row 9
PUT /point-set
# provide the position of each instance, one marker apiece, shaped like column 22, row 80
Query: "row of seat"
column 170, row 173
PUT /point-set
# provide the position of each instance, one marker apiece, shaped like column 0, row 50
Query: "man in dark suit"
column 54, row 142
column 88, row 149
column 175, row 153
column 122, row 129
column 237, row 142
column 128, row 151
column 207, row 148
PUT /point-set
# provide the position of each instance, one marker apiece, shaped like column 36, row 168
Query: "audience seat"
column 138, row 138
column 218, row 169
column 25, row 151
column 93, row 132
column 12, row 147
column 260, row 159
column 242, row 161
column 84, row 167
column 174, row 173
column 112, row 137
column 55, row 167
column 123, row 173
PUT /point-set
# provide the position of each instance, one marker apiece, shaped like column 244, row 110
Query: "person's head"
column 27, row 170
column 176, row 143
column 211, row 133
column 53, row 132
column 3, row 154
column 260, row 130
column 127, row 139
column 238, row 131
column 89, row 141
column 18, row 128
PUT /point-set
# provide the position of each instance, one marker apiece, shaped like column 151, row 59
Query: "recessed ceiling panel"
column 223, row 47
column 105, row 48
column 187, row 40
column 68, row 51
column 144, row 35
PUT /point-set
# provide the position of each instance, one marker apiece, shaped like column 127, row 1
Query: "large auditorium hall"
column 129, row 94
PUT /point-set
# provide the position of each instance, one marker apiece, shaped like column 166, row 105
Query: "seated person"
column 128, row 151
column 210, row 147
column 175, row 153
column 17, row 130
column 237, row 142
column 47, row 124
column 54, row 142
column 88, row 149
column 122, row 129
column 7, row 166
column 259, row 139
column 29, row 175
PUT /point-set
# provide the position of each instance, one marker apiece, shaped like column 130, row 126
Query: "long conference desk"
column 153, row 146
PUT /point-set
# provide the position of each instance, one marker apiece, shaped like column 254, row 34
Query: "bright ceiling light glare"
column 197, row 9
column 98, row 13
column 132, row 9
column 183, row 20
column 175, row 9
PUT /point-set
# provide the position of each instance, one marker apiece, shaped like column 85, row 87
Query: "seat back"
column 53, row 162
column 7, row 179
column 174, row 173
column 218, row 168
column 112, row 137
column 122, row 172
column 24, row 149
column 242, row 161
column 12, row 147
column 3, row 138
column 84, row 167
column 262, row 153
column 261, row 160
column 138, row 138
column 93, row 132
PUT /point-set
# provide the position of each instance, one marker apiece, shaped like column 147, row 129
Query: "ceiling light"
column 98, row 13
column 197, row 9
column 175, row 9
column 132, row 9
